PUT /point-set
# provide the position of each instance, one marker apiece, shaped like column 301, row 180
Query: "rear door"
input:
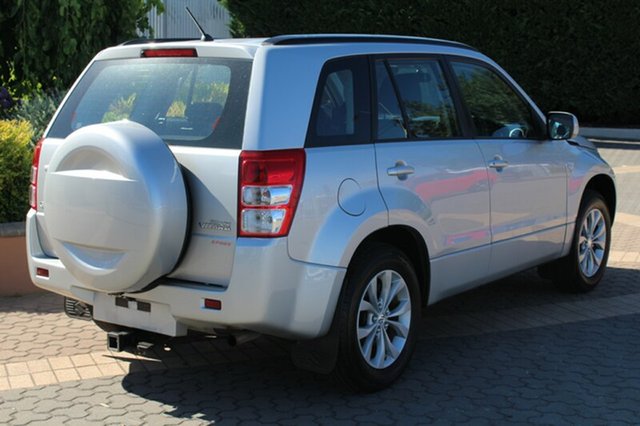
column 527, row 172
column 431, row 176
column 197, row 106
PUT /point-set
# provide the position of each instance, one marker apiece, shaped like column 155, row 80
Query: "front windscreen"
column 186, row 101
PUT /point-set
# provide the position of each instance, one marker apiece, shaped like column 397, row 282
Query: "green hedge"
column 15, row 168
column 37, row 110
column 45, row 44
column 582, row 57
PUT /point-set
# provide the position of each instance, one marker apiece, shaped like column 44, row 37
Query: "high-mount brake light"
column 169, row 53
column 33, row 184
column 270, row 183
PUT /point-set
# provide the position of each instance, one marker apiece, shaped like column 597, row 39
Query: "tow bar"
column 119, row 340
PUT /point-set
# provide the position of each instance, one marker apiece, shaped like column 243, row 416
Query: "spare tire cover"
column 115, row 206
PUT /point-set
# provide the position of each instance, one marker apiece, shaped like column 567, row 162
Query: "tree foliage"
column 45, row 44
column 568, row 55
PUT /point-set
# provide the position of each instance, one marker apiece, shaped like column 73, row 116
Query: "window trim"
column 359, row 66
column 537, row 121
column 461, row 118
column 396, row 92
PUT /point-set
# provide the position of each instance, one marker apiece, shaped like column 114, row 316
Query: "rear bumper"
column 268, row 293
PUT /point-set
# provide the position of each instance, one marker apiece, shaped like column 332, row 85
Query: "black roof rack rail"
column 144, row 40
column 285, row 40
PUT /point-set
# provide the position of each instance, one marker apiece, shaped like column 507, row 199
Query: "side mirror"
column 562, row 125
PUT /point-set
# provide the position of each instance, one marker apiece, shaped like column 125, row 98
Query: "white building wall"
column 176, row 23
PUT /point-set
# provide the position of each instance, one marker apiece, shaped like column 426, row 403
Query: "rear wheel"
column 378, row 314
column 583, row 269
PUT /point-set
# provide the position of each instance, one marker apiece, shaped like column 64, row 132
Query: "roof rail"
column 297, row 39
column 144, row 40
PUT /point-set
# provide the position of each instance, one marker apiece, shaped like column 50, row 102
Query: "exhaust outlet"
column 240, row 338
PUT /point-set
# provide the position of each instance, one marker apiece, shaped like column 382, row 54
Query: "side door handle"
column 498, row 163
column 401, row 170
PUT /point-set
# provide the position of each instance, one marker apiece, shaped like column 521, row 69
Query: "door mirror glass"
column 562, row 125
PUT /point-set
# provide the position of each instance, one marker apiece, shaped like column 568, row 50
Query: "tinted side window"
column 495, row 108
column 391, row 123
column 427, row 106
column 336, row 114
column 341, row 109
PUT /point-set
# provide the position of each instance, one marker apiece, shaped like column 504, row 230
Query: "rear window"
column 186, row 101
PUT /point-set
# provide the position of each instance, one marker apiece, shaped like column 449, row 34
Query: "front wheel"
column 378, row 314
column 583, row 269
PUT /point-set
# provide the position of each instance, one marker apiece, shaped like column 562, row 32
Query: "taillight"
column 33, row 186
column 169, row 53
column 270, row 183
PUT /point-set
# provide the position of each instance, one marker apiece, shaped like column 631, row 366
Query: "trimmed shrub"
column 15, row 168
column 37, row 110
column 574, row 56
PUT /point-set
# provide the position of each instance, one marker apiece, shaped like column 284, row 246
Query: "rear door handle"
column 401, row 170
column 498, row 163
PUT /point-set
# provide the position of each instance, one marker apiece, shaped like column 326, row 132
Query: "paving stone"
column 4, row 383
column 38, row 366
column 31, row 418
column 161, row 419
column 44, row 378
column 21, row 381
column 110, row 369
column 67, row 374
column 17, row 368
column 515, row 351
column 89, row 372
column 60, row 363
column 82, row 360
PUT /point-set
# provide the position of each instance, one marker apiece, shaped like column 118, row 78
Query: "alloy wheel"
column 592, row 242
column 384, row 318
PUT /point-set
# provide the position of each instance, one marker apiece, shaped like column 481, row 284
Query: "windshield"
column 186, row 101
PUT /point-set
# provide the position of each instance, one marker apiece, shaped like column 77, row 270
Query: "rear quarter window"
column 341, row 112
column 186, row 101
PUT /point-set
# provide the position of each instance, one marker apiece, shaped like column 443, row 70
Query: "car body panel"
column 446, row 200
column 281, row 97
column 289, row 286
column 332, row 220
column 528, row 196
column 296, row 305
column 211, row 175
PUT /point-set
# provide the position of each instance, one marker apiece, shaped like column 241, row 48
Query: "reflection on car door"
column 527, row 173
column 429, row 176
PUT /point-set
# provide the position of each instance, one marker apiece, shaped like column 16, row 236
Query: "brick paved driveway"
column 515, row 351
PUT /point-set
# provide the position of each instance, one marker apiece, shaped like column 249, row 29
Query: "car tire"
column 582, row 270
column 376, row 336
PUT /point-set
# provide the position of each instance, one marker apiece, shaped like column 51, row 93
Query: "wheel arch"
column 410, row 242
column 605, row 186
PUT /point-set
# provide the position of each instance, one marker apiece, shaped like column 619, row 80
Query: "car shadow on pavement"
column 528, row 289
column 569, row 372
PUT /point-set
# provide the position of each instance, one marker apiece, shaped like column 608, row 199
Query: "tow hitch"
column 123, row 340
column 119, row 340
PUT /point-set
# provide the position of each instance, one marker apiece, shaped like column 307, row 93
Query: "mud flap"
column 317, row 355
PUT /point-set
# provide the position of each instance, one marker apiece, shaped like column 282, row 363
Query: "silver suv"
column 322, row 189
